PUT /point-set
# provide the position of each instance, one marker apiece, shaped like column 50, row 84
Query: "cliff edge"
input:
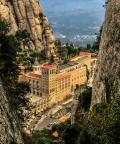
column 9, row 130
column 106, row 84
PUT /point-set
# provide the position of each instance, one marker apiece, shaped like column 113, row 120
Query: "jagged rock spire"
column 28, row 15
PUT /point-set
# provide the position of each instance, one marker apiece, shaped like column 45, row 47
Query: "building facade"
column 53, row 84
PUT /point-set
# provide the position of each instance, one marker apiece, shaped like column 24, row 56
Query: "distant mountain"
column 75, row 20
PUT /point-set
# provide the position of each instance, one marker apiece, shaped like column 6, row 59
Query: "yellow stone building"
column 53, row 83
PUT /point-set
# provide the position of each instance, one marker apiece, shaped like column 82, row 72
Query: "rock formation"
column 28, row 15
column 107, row 78
column 9, row 131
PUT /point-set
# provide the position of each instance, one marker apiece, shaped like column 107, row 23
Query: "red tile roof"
column 60, row 76
column 48, row 67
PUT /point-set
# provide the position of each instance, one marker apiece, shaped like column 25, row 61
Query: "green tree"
column 112, row 128
column 9, row 68
column 71, row 51
column 70, row 134
column 42, row 55
column 40, row 137
column 65, row 61
column 102, row 124
column 51, row 61
column 88, row 47
column 59, row 43
column 96, row 44
column 85, row 98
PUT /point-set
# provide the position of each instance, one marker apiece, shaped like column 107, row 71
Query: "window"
column 66, row 85
column 62, row 86
column 38, row 93
column 34, row 92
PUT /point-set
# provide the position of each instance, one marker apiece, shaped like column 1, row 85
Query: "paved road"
column 57, row 112
column 44, row 124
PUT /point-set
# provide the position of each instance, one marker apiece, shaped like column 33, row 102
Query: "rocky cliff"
column 28, row 15
column 107, row 78
column 9, row 131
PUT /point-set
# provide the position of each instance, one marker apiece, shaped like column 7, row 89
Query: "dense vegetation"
column 9, row 69
column 102, row 124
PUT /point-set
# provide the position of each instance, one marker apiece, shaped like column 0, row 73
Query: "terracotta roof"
column 48, row 67
column 34, row 75
column 60, row 76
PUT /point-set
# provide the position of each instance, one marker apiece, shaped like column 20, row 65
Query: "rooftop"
column 48, row 67
column 60, row 76
column 72, row 63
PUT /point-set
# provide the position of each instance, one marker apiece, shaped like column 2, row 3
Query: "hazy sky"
column 74, row 17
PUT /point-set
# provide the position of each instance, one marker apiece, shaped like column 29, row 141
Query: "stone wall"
column 107, row 78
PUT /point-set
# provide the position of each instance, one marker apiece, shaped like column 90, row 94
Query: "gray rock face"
column 28, row 15
column 9, row 131
column 107, row 78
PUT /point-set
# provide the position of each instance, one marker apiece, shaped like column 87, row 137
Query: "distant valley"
column 75, row 21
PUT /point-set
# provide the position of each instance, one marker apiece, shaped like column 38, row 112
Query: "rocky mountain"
column 28, row 15
column 9, row 131
column 107, row 78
